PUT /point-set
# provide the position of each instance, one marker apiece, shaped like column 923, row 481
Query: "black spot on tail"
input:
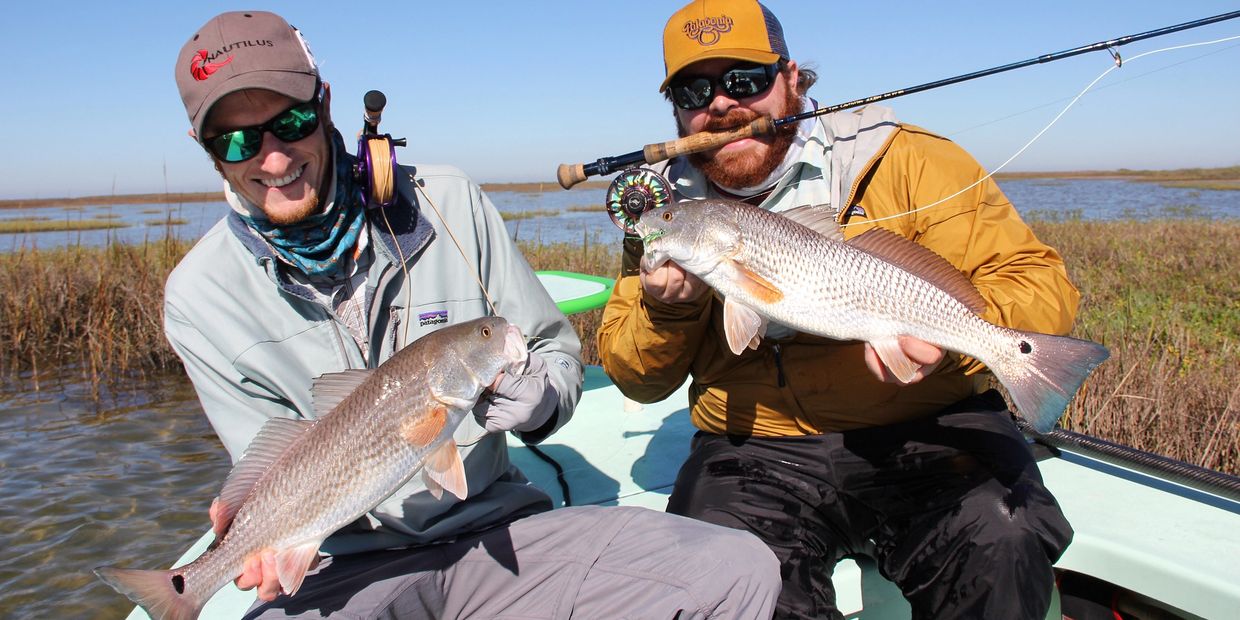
column 1025, row 347
column 178, row 584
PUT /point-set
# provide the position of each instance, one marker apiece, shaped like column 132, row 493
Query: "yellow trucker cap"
column 740, row 29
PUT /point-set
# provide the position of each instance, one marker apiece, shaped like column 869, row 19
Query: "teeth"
column 281, row 182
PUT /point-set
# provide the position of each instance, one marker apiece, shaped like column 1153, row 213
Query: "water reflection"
column 82, row 484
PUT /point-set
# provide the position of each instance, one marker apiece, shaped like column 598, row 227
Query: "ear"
column 327, row 103
column 794, row 74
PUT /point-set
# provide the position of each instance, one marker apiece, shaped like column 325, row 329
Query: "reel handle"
column 571, row 174
column 374, row 101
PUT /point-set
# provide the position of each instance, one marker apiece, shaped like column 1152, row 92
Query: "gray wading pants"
column 588, row 562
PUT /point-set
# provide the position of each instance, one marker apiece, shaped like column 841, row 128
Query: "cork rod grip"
column 570, row 174
column 706, row 140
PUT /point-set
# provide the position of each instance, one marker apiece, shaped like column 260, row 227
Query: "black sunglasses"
column 693, row 92
column 291, row 125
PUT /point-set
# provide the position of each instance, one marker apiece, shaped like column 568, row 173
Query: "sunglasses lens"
column 745, row 82
column 236, row 146
column 693, row 93
column 297, row 123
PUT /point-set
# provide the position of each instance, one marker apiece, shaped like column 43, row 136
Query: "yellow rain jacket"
column 875, row 168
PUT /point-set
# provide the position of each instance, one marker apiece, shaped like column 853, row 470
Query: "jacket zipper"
column 779, row 365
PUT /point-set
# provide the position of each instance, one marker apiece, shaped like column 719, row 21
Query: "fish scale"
column 780, row 268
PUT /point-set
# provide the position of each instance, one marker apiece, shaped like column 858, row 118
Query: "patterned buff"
column 318, row 245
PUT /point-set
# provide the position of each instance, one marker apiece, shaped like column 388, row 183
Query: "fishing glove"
column 519, row 402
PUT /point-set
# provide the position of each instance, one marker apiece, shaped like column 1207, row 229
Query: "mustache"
column 735, row 117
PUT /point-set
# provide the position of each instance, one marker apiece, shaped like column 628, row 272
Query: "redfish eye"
column 486, row 331
column 667, row 216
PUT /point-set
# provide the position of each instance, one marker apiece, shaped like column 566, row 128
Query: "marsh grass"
column 1164, row 296
column 40, row 224
column 528, row 215
column 96, row 310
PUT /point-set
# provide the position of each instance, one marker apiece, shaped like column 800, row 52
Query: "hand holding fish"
column 670, row 283
column 916, row 349
column 259, row 569
column 520, row 402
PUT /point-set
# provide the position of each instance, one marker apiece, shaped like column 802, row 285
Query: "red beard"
column 739, row 170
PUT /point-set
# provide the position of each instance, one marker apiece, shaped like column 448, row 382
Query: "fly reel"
column 375, row 169
column 634, row 192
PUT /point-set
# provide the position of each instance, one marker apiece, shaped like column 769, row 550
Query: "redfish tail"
column 1052, row 370
column 156, row 591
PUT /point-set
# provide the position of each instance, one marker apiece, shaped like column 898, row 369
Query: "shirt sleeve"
column 1024, row 281
column 521, row 298
column 236, row 408
column 647, row 346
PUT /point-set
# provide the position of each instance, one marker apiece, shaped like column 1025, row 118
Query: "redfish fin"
column 742, row 326
column 154, row 590
column 756, row 286
column 276, row 435
column 818, row 218
column 922, row 262
column 444, row 470
column 1054, row 369
column 292, row 564
column 893, row 357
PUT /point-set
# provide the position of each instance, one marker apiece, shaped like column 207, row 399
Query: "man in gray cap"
column 300, row 279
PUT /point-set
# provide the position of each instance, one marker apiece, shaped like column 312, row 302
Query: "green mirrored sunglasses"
column 291, row 125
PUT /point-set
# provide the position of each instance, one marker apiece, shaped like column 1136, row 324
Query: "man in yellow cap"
column 811, row 443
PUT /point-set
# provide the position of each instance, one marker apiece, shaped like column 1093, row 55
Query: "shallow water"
column 127, row 481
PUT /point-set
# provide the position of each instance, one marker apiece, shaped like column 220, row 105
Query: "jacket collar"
column 410, row 232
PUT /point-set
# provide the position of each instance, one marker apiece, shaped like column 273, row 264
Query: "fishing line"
column 448, row 229
column 1119, row 62
column 1104, row 87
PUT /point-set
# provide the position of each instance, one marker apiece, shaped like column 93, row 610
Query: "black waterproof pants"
column 952, row 507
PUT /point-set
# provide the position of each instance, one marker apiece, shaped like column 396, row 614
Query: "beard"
column 740, row 170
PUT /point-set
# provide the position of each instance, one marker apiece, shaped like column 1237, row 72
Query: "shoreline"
column 1225, row 178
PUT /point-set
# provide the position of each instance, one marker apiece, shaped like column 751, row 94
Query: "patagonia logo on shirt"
column 435, row 317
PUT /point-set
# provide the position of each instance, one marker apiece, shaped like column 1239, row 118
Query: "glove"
column 519, row 402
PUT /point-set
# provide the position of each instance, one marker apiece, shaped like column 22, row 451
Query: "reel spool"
column 634, row 192
column 375, row 169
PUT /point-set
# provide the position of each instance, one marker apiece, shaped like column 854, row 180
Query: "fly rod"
column 572, row 174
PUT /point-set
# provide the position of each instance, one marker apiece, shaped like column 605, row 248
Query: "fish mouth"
column 652, row 235
column 515, row 353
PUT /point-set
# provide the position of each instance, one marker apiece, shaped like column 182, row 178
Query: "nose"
column 273, row 154
column 721, row 103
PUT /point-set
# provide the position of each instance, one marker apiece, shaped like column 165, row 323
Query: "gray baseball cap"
column 240, row 50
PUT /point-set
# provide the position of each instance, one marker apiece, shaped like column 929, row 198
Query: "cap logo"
column 201, row 69
column 707, row 30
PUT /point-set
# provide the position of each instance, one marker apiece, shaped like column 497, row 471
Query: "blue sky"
column 509, row 90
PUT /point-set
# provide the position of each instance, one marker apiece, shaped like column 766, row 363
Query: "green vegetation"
column 1164, row 296
column 527, row 215
column 30, row 225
